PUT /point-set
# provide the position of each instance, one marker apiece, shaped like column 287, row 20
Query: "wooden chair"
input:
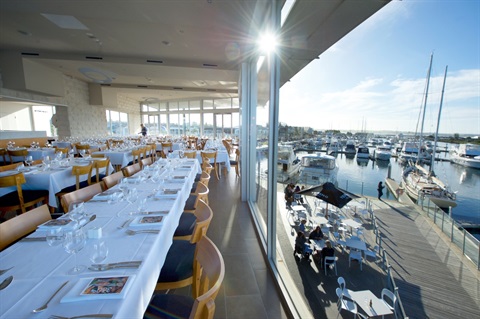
column 201, row 193
column 190, row 154
column 146, row 161
column 3, row 154
column 97, row 155
column 204, row 178
column 20, row 153
column 236, row 162
column 167, row 147
column 19, row 199
column 210, row 156
column 208, row 271
column 228, row 146
column 152, row 151
column 98, row 165
column 81, row 195
column 78, row 172
column 137, row 156
column 10, row 167
column 64, row 150
column 177, row 271
column 19, row 226
column 112, row 180
column 85, row 147
column 130, row 170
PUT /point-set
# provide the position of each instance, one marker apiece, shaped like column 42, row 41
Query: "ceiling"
column 163, row 50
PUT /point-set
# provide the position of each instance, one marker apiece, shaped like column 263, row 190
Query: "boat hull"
column 467, row 162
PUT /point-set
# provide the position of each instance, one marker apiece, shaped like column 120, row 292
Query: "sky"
column 374, row 78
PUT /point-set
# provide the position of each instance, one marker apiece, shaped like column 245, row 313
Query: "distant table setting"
column 104, row 256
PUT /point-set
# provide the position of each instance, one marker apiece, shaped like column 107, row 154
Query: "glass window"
column 175, row 127
column 42, row 115
column 208, row 124
column 173, row 106
column 194, row 105
column 194, row 128
column 208, row 104
column 117, row 123
column 223, row 104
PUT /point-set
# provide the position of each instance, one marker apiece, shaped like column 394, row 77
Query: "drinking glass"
column 76, row 212
column 82, row 153
column 99, row 251
column 73, row 242
column 54, row 236
column 29, row 160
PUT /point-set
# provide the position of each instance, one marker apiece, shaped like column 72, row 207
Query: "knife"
column 6, row 282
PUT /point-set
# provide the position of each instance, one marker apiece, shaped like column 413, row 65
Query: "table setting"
column 121, row 249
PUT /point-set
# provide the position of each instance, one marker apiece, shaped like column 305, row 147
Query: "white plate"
column 86, row 288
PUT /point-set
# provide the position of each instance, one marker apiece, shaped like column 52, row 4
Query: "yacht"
column 350, row 147
column 334, row 147
column 363, row 151
column 418, row 182
column 410, row 152
column 467, row 155
column 288, row 164
column 382, row 153
column 318, row 169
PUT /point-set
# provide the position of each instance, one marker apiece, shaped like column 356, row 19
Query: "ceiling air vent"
column 154, row 61
column 208, row 65
column 177, row 88
column 142, row 86
column 93, row 58
column 212, row 90
column 105, row 85
column 30, row 54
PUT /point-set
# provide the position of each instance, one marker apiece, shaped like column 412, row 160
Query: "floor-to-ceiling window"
column 117, row 123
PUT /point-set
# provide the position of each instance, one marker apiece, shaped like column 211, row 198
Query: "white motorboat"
column 318, row 169
column 410, row 152
column 363, row 151
column 467, row 155
column 383, row 153
column 334, row 147
column 288, row 164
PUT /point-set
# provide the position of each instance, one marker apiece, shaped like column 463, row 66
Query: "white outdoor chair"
column 344, row 304
column 355, row 255
column 389, row 299
column 329, row 261
column 372, row 253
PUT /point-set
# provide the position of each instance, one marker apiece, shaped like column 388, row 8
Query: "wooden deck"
column 434, row 279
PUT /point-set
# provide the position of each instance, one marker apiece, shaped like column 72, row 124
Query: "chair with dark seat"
column 81, row 195
column 10, row 167
column 212, row 156
column 112, row 179
column 177, row 271
column 131, row 169
column 79, row 147
column 236, row 162
column 167, row 147
column 188, row 221
column 98, row 165
column 209, row 271
column 17, row 153
column 78, row 171
column 200, row 193
column 19, row 199
column 19, row 226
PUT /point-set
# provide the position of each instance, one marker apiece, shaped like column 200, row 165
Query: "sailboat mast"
column 438, row 120
column 424, row 108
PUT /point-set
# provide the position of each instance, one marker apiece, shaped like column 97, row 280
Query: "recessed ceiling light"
column 64, row 21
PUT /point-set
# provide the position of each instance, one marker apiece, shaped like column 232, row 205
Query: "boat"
column 288, row 164
column 334, row 147
column 382, row 153
column 317, row 169
column 350, row 147
column 419, row 182
column 363, row 151
column 467, row 155
column 411, row 151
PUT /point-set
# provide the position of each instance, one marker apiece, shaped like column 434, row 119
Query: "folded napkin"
column 166, row 194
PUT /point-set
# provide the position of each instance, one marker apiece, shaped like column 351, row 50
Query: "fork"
column 2, row 271
column 107, row 315
column 148, row 231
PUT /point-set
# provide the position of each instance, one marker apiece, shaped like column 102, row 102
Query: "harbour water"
column 361, row 177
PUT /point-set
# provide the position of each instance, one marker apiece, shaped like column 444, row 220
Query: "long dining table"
column 39, row 270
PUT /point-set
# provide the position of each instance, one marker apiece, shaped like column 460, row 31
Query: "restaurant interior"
column 100, row 220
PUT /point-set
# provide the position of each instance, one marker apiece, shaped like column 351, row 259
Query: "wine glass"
column 99, row 251
column 73, row 242
column 54, row 237
column 29, row 160
column 76, row 212
column 82, row 153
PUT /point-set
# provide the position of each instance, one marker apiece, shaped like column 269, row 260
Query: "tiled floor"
column 248, row 290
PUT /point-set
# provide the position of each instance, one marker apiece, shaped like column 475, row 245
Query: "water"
column 362, row 177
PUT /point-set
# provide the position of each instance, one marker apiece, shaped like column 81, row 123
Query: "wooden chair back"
column 228, row 146
column 85, row 147
column 17, row 180
column 205, row 178
column 98, row 155
column 3, row 154
column 236, row 163
column 130, row 170
column 146, row 161
column 19, row 226
column 64, row 150
column 99, row 165
column 210, row 156
column 113, row 179
column 167, row 147
column 202, row 192
column 190, row 154
column 81, row 195
column 79, row 171
column 204, row 215
column 23, row 153
column 208, row 274
column 137, row 155
column 9, row 167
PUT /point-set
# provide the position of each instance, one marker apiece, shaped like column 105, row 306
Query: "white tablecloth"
column 222, row 157
column 53, row 180
column 175, row 146
column 120, row 158
column 39, row 270
column 37, row 153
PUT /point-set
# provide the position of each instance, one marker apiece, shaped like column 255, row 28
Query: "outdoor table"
column 362, row 299
column 356, row 244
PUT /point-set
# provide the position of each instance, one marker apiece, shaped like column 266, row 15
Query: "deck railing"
column 469, row 245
